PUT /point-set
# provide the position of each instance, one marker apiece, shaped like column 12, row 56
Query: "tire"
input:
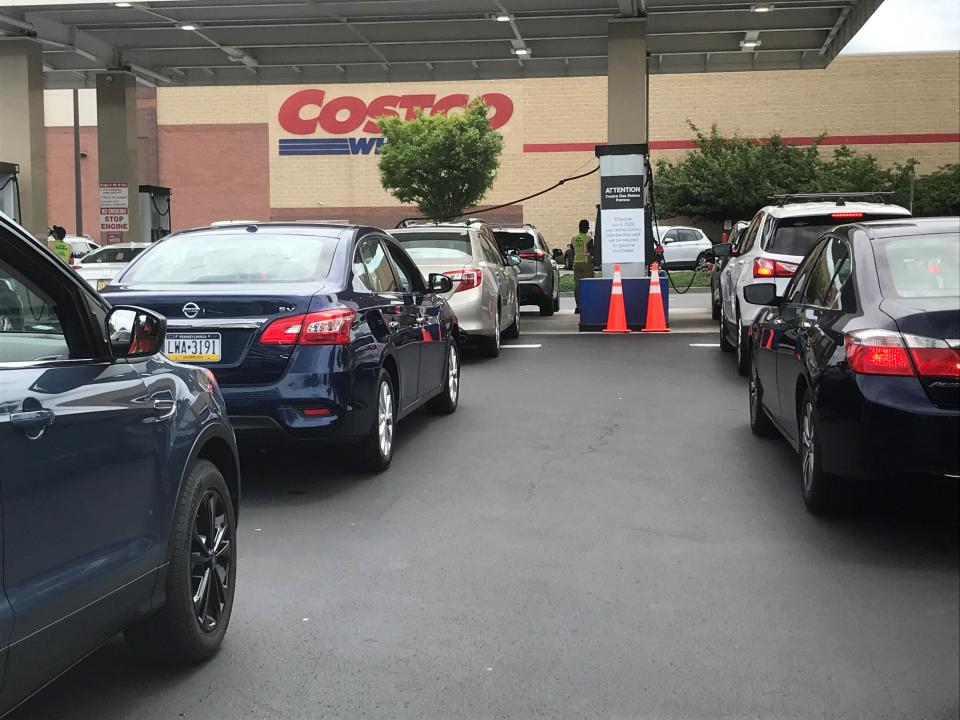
column 760, row 422
column 446, row 402
column 547, row 308
column 376, row 449
column 513, row 331
column 742, row 349
column 490, row 346
column 176, row 634
column 702, row 259
column 725, row 344
column 817, row 487
column 714, row 307
column 556, row 303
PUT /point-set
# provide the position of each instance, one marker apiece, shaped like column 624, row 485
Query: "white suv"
column 684, row 247
column 774, row 244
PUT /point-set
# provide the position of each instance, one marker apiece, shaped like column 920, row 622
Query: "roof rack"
column 839, row 197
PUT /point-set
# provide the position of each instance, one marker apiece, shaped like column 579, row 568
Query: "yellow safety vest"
column 580, row 254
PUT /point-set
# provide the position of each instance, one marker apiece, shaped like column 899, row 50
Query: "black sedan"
column 314, row 331
column 858, row 364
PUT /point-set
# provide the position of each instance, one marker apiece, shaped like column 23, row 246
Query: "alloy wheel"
column 453, row 373
column 210, row 557
column 385, row 419
column 807, row 447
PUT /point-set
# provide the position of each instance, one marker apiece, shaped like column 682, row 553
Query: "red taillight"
column 765, row 268
column 884, row 352
column 326, row 327
column 846, row 215
column 315, row 412
column 465, row 279
column 532, row 255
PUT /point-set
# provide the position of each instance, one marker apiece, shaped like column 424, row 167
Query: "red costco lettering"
column 307, row 111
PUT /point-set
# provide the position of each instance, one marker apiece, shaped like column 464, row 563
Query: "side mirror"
column 722, row 250
column 135, row 332
column 762, row 294
column 439, row 283
column 557, row 254
column 512, row 260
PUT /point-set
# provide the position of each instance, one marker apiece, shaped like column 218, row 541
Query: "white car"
column 485, row 293
column 99, row 267
column 775, row 242
column 684, row 247
column 80, row 245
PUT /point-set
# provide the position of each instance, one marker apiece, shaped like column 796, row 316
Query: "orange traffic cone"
column 656, row 322
column 617, row 316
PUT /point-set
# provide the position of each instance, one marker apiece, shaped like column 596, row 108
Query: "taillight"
column 74, row 267
column 465, row 279
column 326, row 327
column 846, row 215
column 884, row 352
column 933, row 357
column 532, row 255
column 766, row 268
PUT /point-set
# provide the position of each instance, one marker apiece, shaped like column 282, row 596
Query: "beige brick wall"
column 858, row 95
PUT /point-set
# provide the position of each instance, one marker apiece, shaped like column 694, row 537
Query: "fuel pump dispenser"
column 154, row 213
column 9, row 190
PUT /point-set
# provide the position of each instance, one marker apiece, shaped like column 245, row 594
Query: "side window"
column 687, row 236
column 379, row 271
column 669, row 236
column 821, row 273
column 402, row 267
column 30, row 321
column 794, row 291
column 490, row 250
column 840, row 263
column 361, row 282
column 750, row 238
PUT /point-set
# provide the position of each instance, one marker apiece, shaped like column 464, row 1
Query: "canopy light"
column 188, row 26
column 123, row 4
column 502, row 17
column 521, row 51
column 749, row 44
column 761, row 8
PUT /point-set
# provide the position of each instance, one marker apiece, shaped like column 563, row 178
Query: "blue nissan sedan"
column 119, row 486
column 314, row 331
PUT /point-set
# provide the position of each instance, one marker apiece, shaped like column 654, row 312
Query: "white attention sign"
column 622, row 219
column 114, row 208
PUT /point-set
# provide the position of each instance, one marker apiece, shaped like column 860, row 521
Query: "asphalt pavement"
column 594, row 534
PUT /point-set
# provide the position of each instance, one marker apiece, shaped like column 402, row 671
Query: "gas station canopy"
column 215, row 42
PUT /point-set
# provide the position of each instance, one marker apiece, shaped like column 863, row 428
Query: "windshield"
column 112, row 255
column 206, row 258
column 795, row 236
column 925, row 266
column 447, row 245
column 514, row 240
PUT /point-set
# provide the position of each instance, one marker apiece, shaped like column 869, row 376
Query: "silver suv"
column 539, row 274
column 773, row 246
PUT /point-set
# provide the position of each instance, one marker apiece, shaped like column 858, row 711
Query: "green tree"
column 938, row 193
column 850, row 172
column 444, row 164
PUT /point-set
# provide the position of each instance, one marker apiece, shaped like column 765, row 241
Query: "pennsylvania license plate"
column 101, row 284
column 193, row 347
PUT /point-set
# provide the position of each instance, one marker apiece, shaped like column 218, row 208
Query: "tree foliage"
column 732, row 177
column 444, row 164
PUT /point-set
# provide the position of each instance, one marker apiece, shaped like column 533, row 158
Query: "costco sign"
column 311, row 112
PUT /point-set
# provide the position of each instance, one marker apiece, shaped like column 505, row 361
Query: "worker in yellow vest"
column 582, row 245
column 60, row 246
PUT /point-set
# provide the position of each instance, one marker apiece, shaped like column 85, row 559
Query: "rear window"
column 795, row 236
column 436, row 245
column 205, row 258
column 919, row 266
column 111, row 255
column 515, row 240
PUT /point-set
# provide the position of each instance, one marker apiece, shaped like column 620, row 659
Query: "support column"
column 117, row 148
column 627, row 82
column 22, row 131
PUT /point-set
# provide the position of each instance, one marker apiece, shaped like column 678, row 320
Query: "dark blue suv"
column 119, row 483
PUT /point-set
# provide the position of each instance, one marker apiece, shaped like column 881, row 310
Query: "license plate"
column 101, row 284
column 193, row 347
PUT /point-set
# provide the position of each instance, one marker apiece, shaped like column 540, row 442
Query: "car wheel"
column 702, row 259
column 714, row 307
column 201, row 574
column 760, row 422
column 376, row 449
column 819, row 488
column 743, row 349
column 491, row 345
column 725, row 344
column 513, row 331
column 556, row 302
column 446, row 402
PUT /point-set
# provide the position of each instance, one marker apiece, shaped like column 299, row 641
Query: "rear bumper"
column 472, row 316
column 535, row 290
column 891, row 430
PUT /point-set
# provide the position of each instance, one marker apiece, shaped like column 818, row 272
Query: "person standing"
column 582, row 245
column 60, row 246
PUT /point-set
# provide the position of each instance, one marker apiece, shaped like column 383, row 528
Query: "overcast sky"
column 910, row 25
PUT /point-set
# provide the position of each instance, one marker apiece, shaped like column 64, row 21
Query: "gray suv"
column 539, row 274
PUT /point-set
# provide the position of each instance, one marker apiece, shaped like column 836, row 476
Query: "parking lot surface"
column 595, row 533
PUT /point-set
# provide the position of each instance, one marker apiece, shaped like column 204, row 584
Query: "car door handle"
column 41, row 418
